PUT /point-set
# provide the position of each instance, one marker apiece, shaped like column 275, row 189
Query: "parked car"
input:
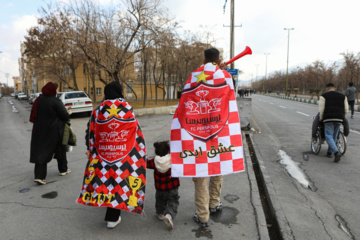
column 22, row 96
column 32, row 99
column 78, row 101
column 59, row 94
column 1, row 95
column 13, row 94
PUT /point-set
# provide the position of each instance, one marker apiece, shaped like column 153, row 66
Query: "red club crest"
column 115, row 138
column 204, row 110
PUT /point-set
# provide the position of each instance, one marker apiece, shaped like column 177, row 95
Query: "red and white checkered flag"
column 205, row 131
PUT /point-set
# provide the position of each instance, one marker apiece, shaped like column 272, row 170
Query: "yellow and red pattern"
column 201, row 143
column 115, row 175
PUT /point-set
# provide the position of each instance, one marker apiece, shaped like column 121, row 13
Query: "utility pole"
column 257, row 66
column 287, row 64
column 7, row 78
column 232, row 30
column 266, row 54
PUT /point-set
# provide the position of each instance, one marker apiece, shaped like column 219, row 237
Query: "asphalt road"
column 323, row 203
column 29, row 211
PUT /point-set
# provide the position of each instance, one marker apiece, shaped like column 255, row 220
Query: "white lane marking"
column 270, row 102
column 355, row 131
column 303, row 113
column 282, row 106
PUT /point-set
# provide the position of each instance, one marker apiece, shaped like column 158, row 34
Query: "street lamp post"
column 287, row 64
column 266, row 54
column 7, row 78
column 257, row 66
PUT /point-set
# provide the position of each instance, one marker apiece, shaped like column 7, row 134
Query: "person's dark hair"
column 212, row 55
column 330, row 85
column 56, row 85
column 113, row 90
column 162, row 148
column 351, row 84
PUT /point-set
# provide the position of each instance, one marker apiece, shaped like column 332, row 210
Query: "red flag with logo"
column 205, row 133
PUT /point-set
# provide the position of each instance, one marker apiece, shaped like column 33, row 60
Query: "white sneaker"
column 113, row 224
column 160, row 216
column 168, row 221
column 64, row 173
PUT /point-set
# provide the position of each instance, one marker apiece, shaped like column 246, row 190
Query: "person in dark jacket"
column 350, row 94
column 49, row 116
column 333, row 107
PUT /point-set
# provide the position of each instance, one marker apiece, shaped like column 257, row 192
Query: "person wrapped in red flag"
column 115, row 174
column 206, row 135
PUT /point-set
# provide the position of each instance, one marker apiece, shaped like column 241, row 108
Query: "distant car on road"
column 78, row 101
column 22, row 96
column 13, row 94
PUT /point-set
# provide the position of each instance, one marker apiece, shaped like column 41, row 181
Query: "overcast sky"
column 322, row 30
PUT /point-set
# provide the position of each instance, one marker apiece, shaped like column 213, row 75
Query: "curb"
column 305, row 100
column 254, row 194
column 273, row 201
column 155, row 110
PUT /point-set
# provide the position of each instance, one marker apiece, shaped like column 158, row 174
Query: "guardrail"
column 306, row 100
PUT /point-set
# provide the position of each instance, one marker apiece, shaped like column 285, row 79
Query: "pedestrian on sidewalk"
column 167, row 196
column 49, row 116
column 333, row 107
column 207, row 195
column 350, row 94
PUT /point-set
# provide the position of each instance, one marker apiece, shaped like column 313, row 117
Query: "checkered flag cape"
column 206, row 138
column 115, row 174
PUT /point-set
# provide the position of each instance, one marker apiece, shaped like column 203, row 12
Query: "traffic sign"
column 232, row 71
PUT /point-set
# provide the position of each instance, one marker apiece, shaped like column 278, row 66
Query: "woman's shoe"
column 40, row 182
column 113, row 224
column 64, row 173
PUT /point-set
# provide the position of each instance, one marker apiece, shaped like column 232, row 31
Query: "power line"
column 225, row 5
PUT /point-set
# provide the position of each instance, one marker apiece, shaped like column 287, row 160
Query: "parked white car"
column 22, row 96
column 78, row 101
column 33, row 97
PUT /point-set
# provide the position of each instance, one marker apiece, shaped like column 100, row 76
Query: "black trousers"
column 60, row 155
column 112, row 214
column 167, row 202
column 351, row 104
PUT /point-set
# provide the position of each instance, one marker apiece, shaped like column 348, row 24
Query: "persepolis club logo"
column 115, row 139
column 204, row 110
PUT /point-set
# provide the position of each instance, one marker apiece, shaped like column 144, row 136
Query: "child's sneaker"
column 168, row 222
column 160, row 216
column 196, row 219
column 217, row 208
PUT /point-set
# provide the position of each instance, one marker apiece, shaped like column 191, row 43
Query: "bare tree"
column 50, row 54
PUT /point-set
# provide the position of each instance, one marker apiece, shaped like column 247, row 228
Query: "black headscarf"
column 113, row 90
